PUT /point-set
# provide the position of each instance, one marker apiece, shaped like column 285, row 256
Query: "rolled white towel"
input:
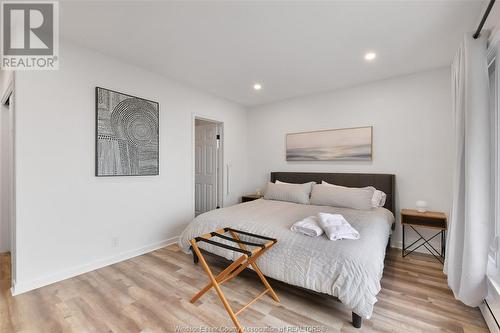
column 336, row 227
column 308, row 226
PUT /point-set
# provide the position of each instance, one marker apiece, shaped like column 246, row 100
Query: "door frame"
column 220, row 159
column 9, row 93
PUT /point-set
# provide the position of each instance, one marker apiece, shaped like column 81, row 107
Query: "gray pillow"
column 340, row 196
column 298, row 193
column 378, row 199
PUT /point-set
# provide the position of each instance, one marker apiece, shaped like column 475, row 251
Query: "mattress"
column 350, row 270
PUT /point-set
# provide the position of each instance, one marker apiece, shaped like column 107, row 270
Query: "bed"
column 349, row 270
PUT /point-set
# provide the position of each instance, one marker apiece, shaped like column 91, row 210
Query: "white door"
column 206, row 160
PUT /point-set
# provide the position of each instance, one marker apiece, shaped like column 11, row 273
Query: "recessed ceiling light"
column 257, row 86
column 370, row 56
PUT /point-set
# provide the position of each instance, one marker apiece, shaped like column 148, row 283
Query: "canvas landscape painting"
column 127, row 135
column 348, row 144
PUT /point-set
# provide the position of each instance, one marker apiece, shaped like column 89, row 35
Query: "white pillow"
column 340, row 196
column 280, row 182
column 298, row 193
column 378, row 199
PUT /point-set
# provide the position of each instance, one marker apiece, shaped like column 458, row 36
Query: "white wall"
column 66, row 217
column 412, row 133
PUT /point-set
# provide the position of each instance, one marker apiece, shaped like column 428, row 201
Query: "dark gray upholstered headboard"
column 383, row 182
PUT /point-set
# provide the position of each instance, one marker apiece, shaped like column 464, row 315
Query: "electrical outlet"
column 115, row 242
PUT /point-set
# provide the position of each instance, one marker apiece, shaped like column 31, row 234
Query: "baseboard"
column 22, row 287
column 397, row 245
column 489, row 318
column 490, row 308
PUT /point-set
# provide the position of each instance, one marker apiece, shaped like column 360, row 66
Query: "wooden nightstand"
column 250, row 197
column 432, row 220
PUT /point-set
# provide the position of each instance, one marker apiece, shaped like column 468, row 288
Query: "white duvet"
column 348, row 269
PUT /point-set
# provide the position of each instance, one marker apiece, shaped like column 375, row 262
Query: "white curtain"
column 467, row 245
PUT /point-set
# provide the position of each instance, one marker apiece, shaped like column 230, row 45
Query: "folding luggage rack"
column 247, row 258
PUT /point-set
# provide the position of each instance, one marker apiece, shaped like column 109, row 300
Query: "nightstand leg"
column 403, row 247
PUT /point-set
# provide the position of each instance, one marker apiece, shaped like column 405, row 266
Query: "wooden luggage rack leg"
column 248, row 258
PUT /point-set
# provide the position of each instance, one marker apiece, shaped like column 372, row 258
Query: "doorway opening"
column 208, row 161
column 7, row 178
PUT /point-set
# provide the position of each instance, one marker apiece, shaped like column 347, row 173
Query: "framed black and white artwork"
column 127, row 131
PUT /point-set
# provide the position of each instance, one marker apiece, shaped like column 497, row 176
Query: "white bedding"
column 348, row 269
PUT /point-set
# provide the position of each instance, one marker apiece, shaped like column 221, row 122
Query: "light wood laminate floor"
column 151, row 293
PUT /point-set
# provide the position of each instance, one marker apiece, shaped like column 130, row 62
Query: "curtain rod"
column 483, row 20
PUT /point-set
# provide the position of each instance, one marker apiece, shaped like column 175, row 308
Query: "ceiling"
column 292, row 48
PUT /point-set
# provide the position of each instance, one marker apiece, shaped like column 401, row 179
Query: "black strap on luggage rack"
column 219, row 233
